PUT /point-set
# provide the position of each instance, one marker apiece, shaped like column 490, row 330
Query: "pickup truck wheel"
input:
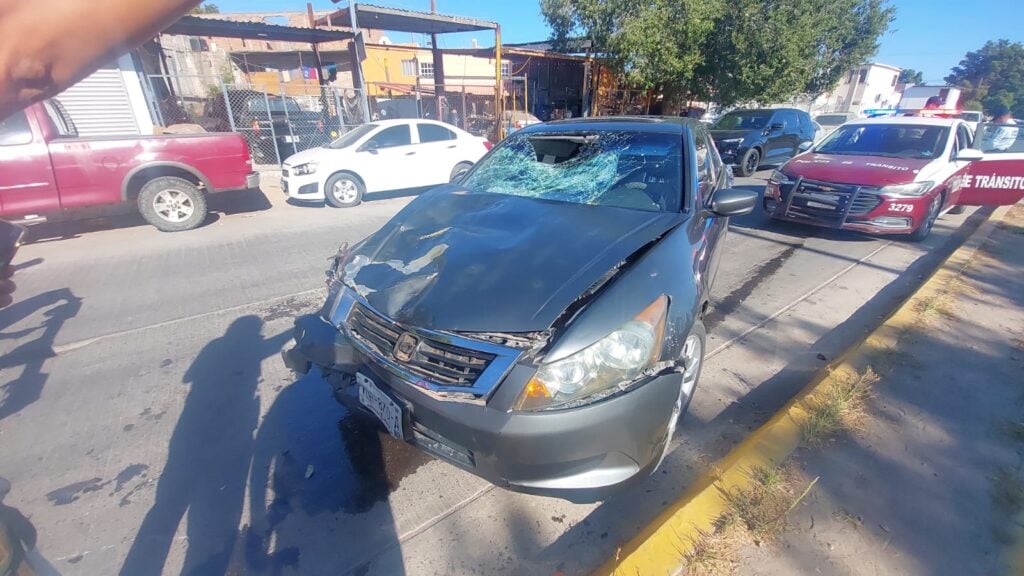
column 344, row 191
column 172, row 204
column 693, row 362
column 749, row 163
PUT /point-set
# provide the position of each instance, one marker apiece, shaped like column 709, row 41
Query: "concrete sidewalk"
column 933, row 482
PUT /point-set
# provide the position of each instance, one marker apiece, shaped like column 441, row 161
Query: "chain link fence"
column 277, row 120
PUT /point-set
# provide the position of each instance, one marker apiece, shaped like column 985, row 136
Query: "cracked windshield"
column 549, row 287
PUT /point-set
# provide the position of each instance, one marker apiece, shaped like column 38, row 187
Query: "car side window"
column 433, row 133
column 805, row 122
column 964, row 137
column 15, row 131
column 706, row 174
column 392, row 136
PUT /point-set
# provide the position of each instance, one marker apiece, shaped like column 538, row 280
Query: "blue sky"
column 928, row 35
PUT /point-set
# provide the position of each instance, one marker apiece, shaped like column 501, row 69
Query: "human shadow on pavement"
column 57, row 306
column 319, row 485
column 209, row 456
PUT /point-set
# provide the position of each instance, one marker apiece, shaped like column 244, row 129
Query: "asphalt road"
column 148, row 426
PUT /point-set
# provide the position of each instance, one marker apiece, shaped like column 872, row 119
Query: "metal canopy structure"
column 399, row 20
column 196, row 26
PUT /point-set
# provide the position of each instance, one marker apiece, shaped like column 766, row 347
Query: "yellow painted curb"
column 660, row 546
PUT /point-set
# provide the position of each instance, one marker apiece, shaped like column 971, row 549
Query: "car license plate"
column 291, row 139
column 382, row 406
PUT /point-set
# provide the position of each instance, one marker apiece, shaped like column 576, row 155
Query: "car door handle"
column 410, row 153
column 453, row 146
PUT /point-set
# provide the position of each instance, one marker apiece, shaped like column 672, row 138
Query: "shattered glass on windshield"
column 622, row 169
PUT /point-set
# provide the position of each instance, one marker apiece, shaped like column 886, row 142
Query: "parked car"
column 829, row 122
column 750, row 138
column 539, row 322
column 893, row 176
column 269, row 122
column 385, row 155
column 50, row 172
column 974, row 118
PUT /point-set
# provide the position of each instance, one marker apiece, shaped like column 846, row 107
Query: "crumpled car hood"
column 465, row 262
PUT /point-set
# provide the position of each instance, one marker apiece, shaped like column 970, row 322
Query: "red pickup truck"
column 47, row 171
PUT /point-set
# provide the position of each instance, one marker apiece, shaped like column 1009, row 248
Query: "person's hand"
column 7, row 286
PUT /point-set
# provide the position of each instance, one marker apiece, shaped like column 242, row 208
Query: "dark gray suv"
column 750, row 138
column 538, row 323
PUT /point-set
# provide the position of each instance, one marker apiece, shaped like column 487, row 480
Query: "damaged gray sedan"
column 539, row 322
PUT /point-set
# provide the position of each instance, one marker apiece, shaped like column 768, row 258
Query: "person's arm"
column 48, row 45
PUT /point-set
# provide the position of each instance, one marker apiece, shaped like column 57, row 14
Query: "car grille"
column 827, row 202
column 437, row 361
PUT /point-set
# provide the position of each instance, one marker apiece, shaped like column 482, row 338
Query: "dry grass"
column 840, row 407
column 756, row 515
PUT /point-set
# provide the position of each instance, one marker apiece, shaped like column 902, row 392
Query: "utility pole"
column 438, row 59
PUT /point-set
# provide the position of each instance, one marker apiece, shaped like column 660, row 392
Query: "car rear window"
column 887, row 140
column 638, row 170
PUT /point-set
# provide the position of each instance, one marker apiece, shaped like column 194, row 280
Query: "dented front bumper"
column 580, row 454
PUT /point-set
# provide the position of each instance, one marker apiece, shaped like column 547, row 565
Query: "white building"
column 866, row 87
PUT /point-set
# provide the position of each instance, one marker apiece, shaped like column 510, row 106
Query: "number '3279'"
column 901, row 207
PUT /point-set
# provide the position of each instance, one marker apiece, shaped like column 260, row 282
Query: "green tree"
column 743, row 50
column 846, row 35
column 992, row 75
column 206, row 8
column 911, row 76
column 652, row 43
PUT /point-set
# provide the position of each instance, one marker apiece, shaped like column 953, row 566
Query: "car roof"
column 914, row 120
column 396, row 121
column 664, row 124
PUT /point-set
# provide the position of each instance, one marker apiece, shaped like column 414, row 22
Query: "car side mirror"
column 460, row 176
column 805, row 146
column 969, row 155
column 733, row 202
column 370, row 146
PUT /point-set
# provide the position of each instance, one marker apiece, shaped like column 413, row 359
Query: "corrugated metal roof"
column 212, row 26
column 401, row 20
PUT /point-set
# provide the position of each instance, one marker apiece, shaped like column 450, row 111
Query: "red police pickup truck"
column 48, row 171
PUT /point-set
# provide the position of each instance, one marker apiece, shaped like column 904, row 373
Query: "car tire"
column 925, row 228
column 172, row 204
column 344, row 190
column 459, row 168
column 694, row 347
column 750, row 162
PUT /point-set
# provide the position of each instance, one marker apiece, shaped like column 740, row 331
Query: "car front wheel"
column 925, row 228
column 749, row 163
column 693, row 362
column 344, row 191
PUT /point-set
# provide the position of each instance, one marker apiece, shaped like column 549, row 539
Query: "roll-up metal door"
column 99, row 104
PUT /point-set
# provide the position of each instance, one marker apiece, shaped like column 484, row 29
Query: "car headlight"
column 913, row 189
column 610, row 365
column 779, row 177
column 304, row 169
column 730, row 142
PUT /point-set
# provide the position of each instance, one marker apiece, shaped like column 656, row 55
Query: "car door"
column 777, row 140
column 711, row 176
column 385, row 160
column 27, row 183
column 996, row 177
column 961, row 140
column 438, row 151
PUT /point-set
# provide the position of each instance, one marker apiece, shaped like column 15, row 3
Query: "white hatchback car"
column 384, row 155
